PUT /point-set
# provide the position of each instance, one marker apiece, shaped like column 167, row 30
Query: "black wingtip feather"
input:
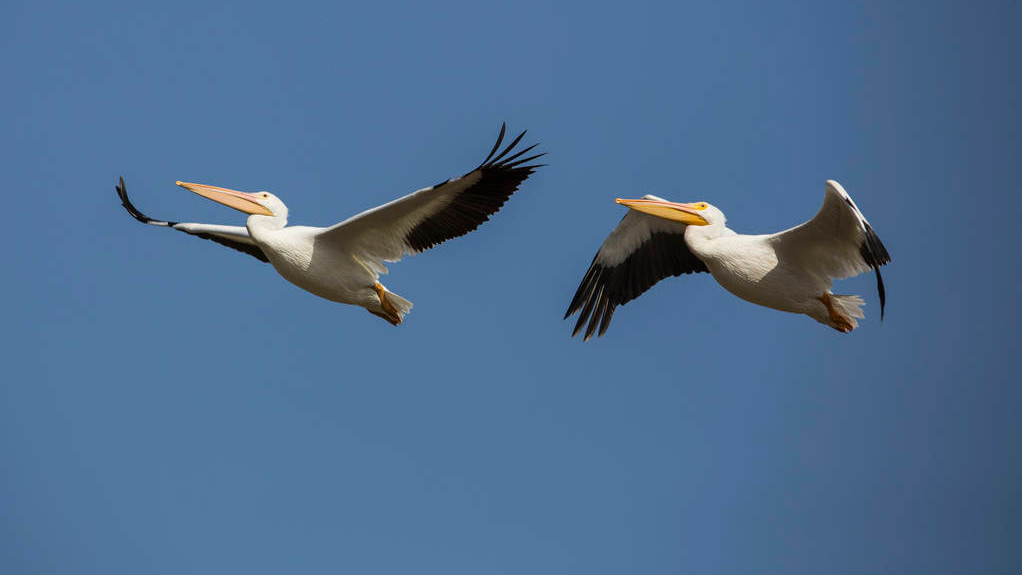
column 875, row 255
column 496, row 161
column 598, row 315
column 604, row 288
column 122, row 193
column 587, row 309
column 500, row 138
column 881, row 291
column 522, row 161
column 581, row 293
column 518, row 153
column 605, row 323
column 498, row 180
column 593, row 295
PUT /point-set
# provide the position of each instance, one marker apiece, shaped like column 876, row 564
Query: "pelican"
column 789, row 271
column 342, row 263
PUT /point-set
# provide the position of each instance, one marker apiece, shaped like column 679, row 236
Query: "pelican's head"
column 694, row 214
column 257, row 203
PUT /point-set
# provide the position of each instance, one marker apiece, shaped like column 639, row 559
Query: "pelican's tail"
column 401, row 305
column 388, row 305
column 850, row 306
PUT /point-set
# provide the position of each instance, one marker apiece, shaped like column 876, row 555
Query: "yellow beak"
column 241, row 201
column 684, row 213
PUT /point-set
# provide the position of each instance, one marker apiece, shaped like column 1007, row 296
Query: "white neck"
column 701, row 239
column 258, row 225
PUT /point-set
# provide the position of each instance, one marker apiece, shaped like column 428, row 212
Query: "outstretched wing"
column 433, row 215
column 234, row 237
column 837, row 243
column 642, row 250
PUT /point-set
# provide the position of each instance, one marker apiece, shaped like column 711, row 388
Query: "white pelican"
column 789, row 271
column 343, row 262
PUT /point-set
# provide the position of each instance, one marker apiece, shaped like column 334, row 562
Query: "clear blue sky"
column 171, row 406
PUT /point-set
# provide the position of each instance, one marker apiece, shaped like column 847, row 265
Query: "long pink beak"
column 241, row 201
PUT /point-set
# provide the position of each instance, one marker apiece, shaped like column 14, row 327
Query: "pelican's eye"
column 264, row 195
column 700, row 206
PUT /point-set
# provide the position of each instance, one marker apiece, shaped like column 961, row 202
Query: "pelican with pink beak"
column 343, row 262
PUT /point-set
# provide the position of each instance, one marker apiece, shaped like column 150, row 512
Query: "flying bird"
column 789, row 271
column 342, row 263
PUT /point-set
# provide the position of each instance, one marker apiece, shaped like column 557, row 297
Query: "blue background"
column 171, row 406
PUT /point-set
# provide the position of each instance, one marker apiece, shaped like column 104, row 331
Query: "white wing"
column 642, row 250
column 837, row 243
column 435, row 214
column 234, row 237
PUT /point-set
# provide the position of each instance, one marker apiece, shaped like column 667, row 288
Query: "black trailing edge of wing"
column 604, row 288
column 500, row 177
column 250, row 249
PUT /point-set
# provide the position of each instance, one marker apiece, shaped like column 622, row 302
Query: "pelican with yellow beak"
column 342, row 263
column 789, row 271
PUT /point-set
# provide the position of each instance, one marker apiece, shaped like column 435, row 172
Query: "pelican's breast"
column 329, row 273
